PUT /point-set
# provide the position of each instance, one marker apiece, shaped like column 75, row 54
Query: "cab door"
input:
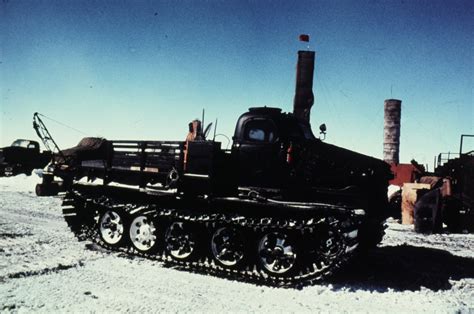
column 259, row 154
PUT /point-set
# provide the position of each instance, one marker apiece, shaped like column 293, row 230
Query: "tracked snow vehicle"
column 281, row 207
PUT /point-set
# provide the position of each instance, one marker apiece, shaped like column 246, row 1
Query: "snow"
column 44, row 269
column 392, row 189
column 20, row 183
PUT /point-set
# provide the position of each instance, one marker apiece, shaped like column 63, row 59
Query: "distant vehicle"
column 22, row 157
column 449, row 197
column 457, row 192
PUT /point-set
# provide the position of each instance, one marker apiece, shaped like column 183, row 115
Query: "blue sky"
column 144, row 69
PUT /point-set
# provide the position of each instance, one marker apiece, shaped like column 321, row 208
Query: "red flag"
column 304, row 37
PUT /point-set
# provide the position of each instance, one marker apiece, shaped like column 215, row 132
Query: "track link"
column 82, row 213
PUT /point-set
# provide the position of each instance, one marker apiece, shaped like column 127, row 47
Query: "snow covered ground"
column 44, row 269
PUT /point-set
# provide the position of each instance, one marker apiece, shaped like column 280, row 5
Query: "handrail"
column 462, row 138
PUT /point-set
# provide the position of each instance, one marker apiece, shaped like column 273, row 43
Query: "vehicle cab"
column 262, row 145
column 22, row 157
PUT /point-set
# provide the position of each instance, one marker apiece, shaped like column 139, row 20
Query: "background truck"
column 444, row 196
column 451, row 198
column 22, row 157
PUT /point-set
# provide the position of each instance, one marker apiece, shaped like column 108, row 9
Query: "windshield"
column 260, row 130
column 26, row 144
column 21, row 143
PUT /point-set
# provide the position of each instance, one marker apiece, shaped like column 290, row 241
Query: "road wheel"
column 227, row 246
column 112, row 227
column 143, row 233
column 180, row 241
column 277, row 253
column 49, row 189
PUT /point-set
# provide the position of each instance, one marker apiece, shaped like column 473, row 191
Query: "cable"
column 65, row 125
column 225, row 136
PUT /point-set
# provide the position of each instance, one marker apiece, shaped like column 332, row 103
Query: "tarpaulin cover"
column 89, row 148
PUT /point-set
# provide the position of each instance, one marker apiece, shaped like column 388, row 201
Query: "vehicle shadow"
column 403, row 267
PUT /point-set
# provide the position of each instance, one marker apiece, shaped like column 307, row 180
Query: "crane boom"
column 43, row 133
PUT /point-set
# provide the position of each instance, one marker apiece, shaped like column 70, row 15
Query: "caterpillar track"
column 274, row 251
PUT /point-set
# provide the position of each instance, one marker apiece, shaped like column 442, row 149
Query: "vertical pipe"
column 304, row 97
column 391, row 130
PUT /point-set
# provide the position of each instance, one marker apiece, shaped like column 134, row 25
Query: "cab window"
column 260, row 131
column 21, row 143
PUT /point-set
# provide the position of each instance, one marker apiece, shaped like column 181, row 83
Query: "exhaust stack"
column 391, row 131
column 304, row 98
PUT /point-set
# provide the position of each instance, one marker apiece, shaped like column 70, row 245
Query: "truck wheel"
column 111, row 228
column 180, row 240
column 277, row 253
column 49, row 189
column 143, row 233
column 227, row 246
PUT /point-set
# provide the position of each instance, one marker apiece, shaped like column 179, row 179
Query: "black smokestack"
column 304, row 98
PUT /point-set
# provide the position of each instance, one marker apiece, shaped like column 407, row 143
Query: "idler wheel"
column 143, row 233
column 227, row 246
column 277, row 253
column 179, row 240
column 111, row 227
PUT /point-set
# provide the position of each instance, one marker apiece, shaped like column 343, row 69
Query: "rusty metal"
column 404, row 173
column 304, row 98
column 391, row 132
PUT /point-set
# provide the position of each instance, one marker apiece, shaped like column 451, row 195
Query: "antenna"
column 202, row 121
column 215, row 129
